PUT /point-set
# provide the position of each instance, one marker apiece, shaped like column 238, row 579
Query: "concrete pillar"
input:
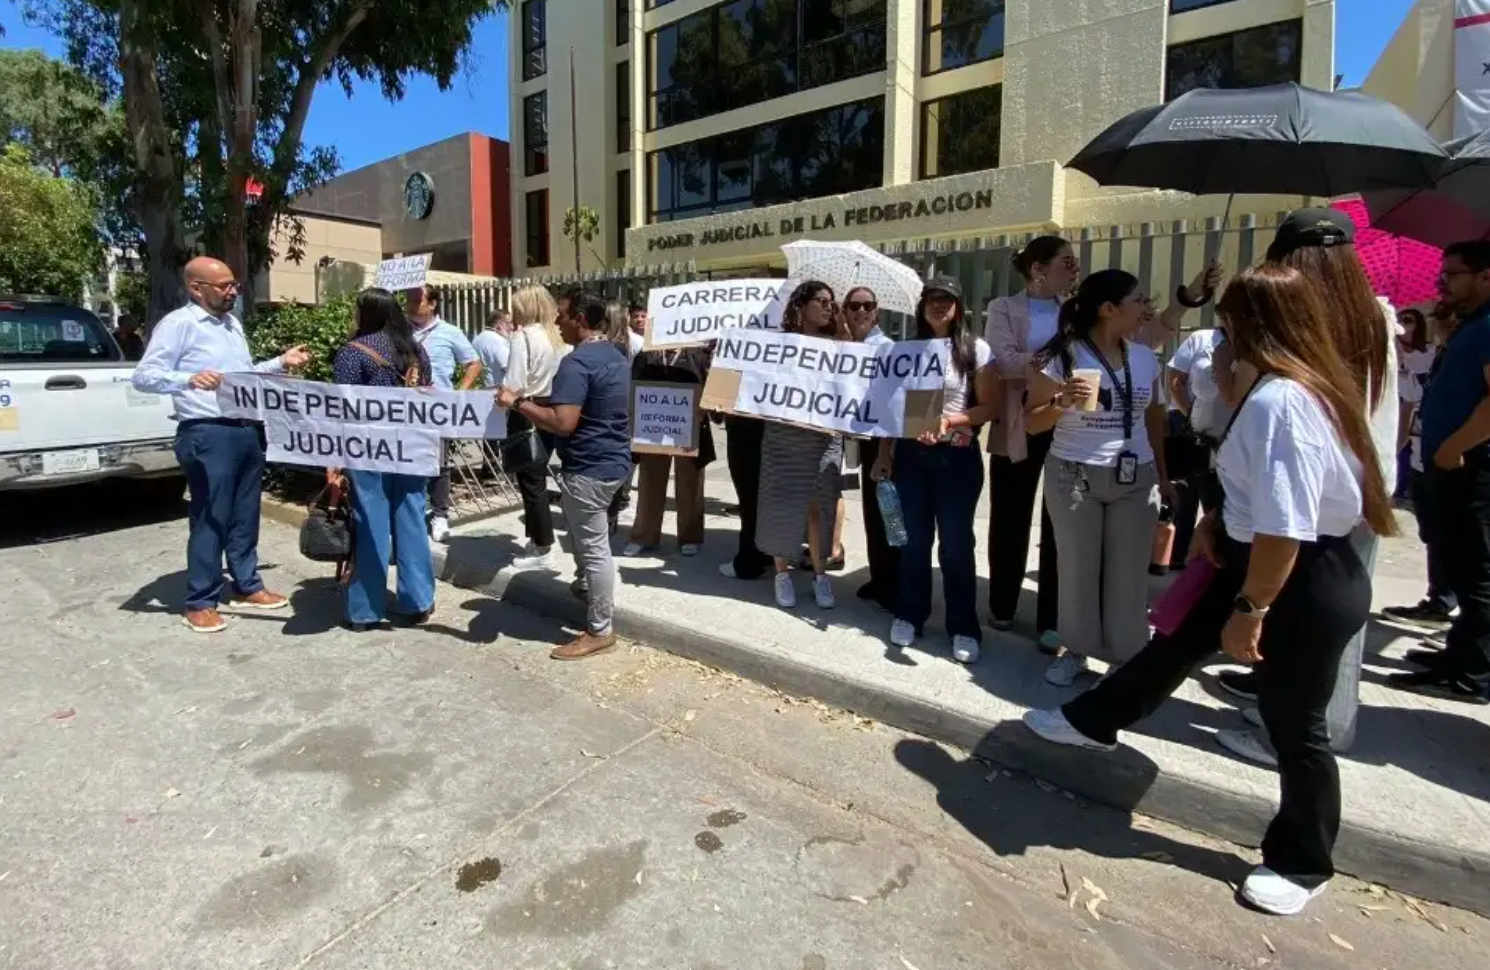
column 902, row 124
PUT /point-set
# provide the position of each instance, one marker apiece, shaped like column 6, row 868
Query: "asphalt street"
column 289, row 794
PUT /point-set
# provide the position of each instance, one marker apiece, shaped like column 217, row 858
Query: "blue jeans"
column 388, row 510
column 939, row 486
column 224, row 466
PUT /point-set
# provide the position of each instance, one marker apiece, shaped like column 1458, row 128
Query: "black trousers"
column 439, row 486
column 884, row 559
column 1011, row 498
column 743, row 456
column 1201, row 491
column 1440, row 590
column 1460, row 529
column 1324, row 602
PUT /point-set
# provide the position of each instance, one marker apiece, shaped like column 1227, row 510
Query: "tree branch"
column 311, row 72
column 207, row 15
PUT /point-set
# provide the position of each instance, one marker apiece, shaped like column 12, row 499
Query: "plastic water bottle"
column 894, row 519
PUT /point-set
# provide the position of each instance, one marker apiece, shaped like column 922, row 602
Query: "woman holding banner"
column 534, row 360
column 387, row 509
column 688, row 365
column 861, row 310
column 802, row 469
column 940, row 478
column 1100, row 390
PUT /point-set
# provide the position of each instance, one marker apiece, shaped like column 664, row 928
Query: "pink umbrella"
column 1403, row 270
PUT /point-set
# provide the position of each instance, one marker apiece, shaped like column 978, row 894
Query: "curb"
column 1125, row 780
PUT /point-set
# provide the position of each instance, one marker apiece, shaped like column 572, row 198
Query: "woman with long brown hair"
column 1299, row 471
column 802, row 469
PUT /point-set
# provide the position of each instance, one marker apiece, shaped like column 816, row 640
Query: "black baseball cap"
column 943, row 284
column 1311, row 227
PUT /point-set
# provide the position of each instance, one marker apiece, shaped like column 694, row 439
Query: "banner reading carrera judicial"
column 382, row 429
column 693, row 314
column 885, row 391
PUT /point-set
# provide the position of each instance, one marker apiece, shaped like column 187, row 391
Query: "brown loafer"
column 262, row 600
column 584, row 646
column 204, row 621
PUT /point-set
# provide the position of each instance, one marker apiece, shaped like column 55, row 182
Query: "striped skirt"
column 798, row 467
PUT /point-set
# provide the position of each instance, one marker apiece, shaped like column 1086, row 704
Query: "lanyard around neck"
column 1124, row 389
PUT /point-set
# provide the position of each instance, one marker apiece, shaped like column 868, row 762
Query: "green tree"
column 216, row 94
column 49, row 240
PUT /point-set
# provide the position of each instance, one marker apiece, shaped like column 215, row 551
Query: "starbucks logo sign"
column 419, row 195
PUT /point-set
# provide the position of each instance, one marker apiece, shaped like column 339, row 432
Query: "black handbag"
column 523, row 447
column 326, row 535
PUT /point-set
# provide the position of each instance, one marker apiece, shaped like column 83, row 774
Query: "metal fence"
column 469, row 305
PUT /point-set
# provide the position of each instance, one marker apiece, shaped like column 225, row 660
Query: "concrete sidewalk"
column 1417, row 786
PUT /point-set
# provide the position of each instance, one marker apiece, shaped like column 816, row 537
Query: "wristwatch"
column 1243, row 605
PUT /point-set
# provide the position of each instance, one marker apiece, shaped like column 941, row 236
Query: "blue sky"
column 368, row 128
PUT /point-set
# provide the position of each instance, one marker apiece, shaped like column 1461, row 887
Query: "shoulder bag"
column 523, row 447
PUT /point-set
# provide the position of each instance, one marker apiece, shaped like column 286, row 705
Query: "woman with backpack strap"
column 387, row 508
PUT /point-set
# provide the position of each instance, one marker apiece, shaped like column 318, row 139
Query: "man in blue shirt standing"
column 223, row 458
column 1455, row 420
column 448, row 348
column 589, row 409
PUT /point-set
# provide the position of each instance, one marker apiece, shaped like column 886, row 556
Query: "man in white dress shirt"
column 223, row 458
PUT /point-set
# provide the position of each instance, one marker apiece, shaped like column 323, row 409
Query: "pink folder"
column 1176, row 602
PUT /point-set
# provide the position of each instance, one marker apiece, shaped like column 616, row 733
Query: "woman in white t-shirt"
column 1105, row 469
column 939, row 478
column 532, row 362
column 1300, row 470
column 1415, row 356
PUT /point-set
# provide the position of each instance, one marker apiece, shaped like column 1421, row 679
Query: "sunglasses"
column 822, row 300
column 854, row 306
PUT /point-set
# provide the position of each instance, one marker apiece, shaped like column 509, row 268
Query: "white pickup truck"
column 67, row 411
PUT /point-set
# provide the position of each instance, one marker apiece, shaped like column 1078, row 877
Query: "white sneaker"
column 633, row 549
column 535, row 557
column 439, row 528
column 1053, row 726
column 627, row 516
column 727, row 570
column 822, row 591
column 1253, row 716
column 965, row 650
column 1246, row 744
column 902, row 634
column 786, row 591
column 1065, row 669
column 693, row 549
column 1275, row 894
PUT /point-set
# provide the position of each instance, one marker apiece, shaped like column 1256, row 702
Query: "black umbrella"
column 1278, row 140
column 1455, row 209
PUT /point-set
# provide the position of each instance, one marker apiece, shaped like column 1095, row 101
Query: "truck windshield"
column 43, row 333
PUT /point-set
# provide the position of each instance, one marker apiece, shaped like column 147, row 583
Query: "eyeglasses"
column 226, row 285
column 854, row 306
column 824, row 300
column 1447, row 274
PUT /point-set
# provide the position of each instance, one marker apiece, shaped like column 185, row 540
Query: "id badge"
column 1127, row 468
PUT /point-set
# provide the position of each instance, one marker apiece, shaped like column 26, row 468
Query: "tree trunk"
column 155, row 168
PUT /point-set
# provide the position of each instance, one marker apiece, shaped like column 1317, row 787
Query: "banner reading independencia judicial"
column 380, row 429
column 886, row 391
column 692, row 314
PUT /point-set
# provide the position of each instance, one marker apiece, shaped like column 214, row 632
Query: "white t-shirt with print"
column 1096, row 437
column 1284, row 469
column 955, row 396
column 1412, row 374
column 1044, row 321
column 1195, row 359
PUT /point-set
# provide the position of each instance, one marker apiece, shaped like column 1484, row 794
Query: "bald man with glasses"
column 189, row 352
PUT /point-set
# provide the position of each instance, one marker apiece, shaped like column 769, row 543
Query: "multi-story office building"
column 716, row 131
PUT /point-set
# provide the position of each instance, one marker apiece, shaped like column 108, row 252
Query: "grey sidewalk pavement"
column 1416, row 786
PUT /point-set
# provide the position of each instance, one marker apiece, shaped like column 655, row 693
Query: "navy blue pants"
column 939, row 486
column 224, row 466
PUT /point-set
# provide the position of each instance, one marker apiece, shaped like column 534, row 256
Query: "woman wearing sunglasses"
column 861, row 311
column 801, row 468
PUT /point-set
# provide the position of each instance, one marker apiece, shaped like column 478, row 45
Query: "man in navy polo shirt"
column 1456, row 444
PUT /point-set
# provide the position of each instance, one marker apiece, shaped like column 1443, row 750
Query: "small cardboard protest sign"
column 381, row 429
column 693, row 314
column 403, row 273
column 884, row 391
column 664, row 418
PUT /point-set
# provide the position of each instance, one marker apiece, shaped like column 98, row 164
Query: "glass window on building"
column 1181, row 6
column 536, row 226
column 823, row 153
column 960, row 133
column 961, row 32
column 1252, row 58
column 747, row 51
column 623, row 22
column 623, row 106
column 535, row 133
column 535, row 39
column 623, row 210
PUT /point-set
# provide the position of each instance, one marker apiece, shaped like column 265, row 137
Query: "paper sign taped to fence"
column 882, row 391
column 403, row 273
column 693, row 314
column 664, row 418
column 382, row 429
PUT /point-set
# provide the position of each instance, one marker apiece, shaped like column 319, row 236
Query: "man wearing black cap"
column 1456, row 449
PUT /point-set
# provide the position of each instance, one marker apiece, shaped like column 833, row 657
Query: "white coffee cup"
column 1092, row 377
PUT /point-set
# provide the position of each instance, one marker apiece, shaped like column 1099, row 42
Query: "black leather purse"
column 326, row 535
column 523, row 447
